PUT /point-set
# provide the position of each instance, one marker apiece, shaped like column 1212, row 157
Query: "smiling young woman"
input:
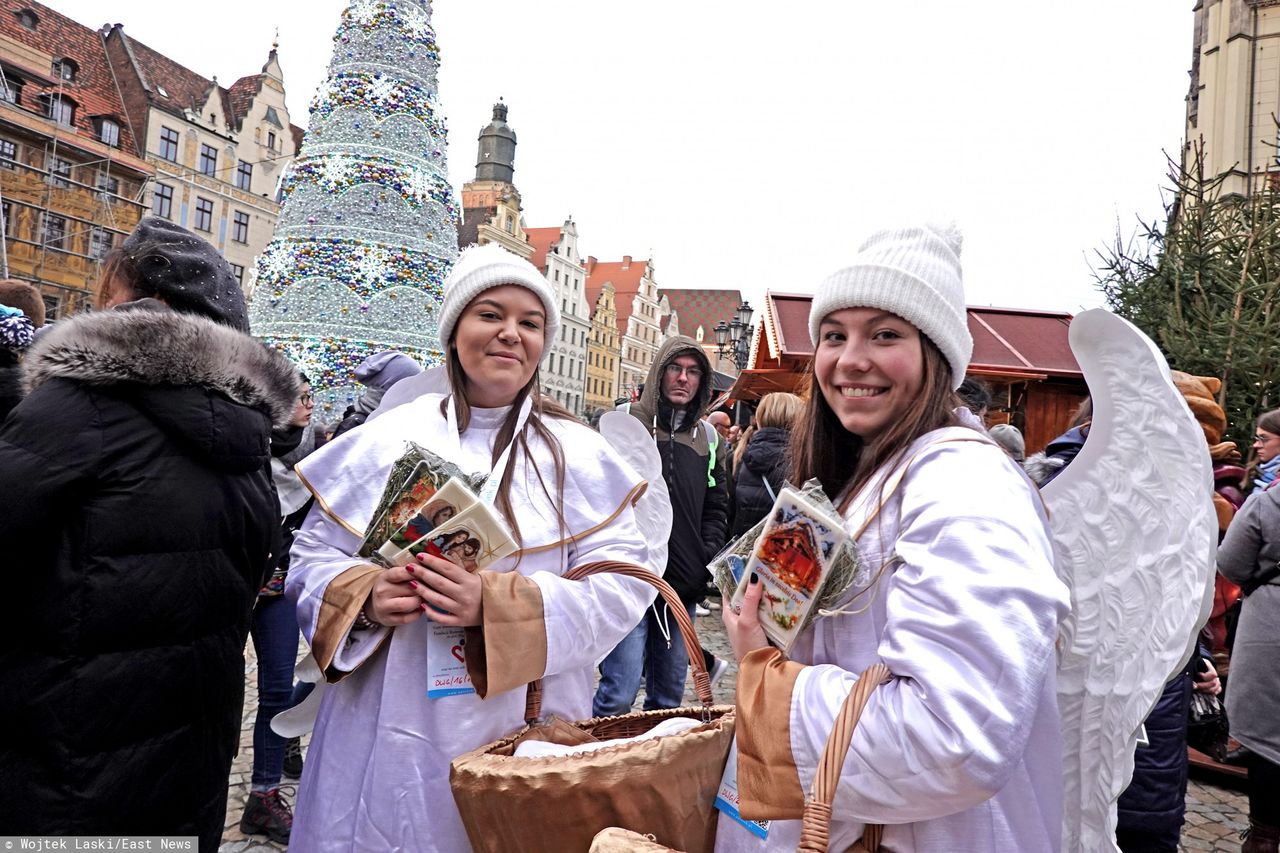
column 959, row 749
column 568, row 501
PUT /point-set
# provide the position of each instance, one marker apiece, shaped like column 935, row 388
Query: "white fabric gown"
column 961, row 751
column 376, row 774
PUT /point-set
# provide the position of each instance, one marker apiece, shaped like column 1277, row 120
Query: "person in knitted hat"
column 568, row 501
column 959, row 749
column 138, row 500
column 21, row 313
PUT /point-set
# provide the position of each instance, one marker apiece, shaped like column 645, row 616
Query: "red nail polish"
column 423, row 607
column 413, row 585
column 409, row 569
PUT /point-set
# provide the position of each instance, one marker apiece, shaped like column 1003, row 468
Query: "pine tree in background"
column 1205, row 286
column 368, row 230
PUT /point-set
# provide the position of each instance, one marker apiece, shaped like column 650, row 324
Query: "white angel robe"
column 961, row 750
column 376, row 775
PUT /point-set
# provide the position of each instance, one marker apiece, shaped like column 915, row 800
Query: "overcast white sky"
column 752, row 145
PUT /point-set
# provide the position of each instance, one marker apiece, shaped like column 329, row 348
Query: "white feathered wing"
column 632, row 442
column 1135, row 534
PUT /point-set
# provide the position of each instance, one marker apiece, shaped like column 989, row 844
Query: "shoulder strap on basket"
column 701, row 678
column 816, row 829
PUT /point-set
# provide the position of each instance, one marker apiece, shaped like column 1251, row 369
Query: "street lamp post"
column 733, row 341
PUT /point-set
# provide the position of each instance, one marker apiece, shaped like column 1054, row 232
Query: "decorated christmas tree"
column 368, row 230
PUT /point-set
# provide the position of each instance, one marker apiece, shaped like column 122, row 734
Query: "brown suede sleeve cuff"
column 768, row 781
column 343, row 598
column 509, row 648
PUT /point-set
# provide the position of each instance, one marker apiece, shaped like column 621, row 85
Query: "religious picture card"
column 792, row 557
column 443, row 505
column 473, row 539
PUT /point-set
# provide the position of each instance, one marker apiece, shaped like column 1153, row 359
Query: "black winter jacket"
column 764, row 458
column 10, row 383
column 699, row 490
column 138, row 516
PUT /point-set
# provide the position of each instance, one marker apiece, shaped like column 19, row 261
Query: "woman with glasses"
column 275, row 631
column 1266, row 450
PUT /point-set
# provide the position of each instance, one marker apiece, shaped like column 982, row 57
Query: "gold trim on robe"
column 632, row 498
column 324, row 506
column 509, row 648
column 343, row 598
column 768, row 781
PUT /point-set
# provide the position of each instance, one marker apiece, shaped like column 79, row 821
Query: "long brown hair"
column 119, row 276
column 822, row 448
column 542, row 407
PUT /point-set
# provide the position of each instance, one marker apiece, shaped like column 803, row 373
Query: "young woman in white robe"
column 376, row 775
column 961, row 749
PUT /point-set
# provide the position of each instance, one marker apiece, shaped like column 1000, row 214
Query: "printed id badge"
column 727, row 798
column 447, row 662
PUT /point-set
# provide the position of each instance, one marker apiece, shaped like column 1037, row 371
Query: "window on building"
column 100, row 242
column 557, row 271
column 240, row 227
column 65, row 68
column 10, row 90
column 162, row 201
column 8, row 154
column 208, row 160
column 109, row 132
column 168, row 144
column 106, row 183
column 238, row 271
column 4, row 215
column 28, row 19
column 204, row 214
column 244, row 175
column 59, row 172
column 271, row 140
column 54, row 233
column 274, row 118
column 510, row 226
column 61, row 109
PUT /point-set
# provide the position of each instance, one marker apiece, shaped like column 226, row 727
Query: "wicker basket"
column 664, row 788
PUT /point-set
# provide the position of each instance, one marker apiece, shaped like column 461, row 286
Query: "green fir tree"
column 1205, row 286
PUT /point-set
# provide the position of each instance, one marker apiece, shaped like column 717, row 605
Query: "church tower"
column 491, row 202
column 496, row 160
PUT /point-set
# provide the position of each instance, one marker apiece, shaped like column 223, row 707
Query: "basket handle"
column 816, row 828
column 701, row 678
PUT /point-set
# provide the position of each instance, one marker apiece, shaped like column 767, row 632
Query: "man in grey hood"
column 676, row 394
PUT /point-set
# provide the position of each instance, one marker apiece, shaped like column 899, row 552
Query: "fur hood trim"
column 165, row 347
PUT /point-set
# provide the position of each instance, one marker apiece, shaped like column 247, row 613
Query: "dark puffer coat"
column 764, row 458
column 138, row 516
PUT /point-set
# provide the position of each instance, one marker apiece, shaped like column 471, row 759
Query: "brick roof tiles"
column 542, row 239
column 93, row 90
column 625, row 276
column 705, row 308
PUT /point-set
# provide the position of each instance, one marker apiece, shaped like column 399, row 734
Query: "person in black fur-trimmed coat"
column 138, row 517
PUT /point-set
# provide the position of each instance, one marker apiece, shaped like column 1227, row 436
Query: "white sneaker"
column 699, row 610
column 718, row 669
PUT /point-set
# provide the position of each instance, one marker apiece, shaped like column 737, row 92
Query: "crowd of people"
column 170, row 496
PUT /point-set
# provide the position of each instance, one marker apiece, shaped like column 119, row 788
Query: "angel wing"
column 633, row 443
column 1135, row 535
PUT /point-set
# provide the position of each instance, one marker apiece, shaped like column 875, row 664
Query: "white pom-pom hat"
column 914, row 272
column 480, row 268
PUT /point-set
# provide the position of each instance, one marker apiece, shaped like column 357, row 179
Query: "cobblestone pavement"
column 1216, row 813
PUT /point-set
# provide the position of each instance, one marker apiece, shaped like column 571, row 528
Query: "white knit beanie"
column 913, row 272
column 480, row 268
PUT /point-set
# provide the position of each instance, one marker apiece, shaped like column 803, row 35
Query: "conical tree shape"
column 368, row 230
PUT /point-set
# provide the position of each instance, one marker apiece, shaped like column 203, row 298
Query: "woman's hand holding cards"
column 450, row 588
column 394, row 599
column 745, row 633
